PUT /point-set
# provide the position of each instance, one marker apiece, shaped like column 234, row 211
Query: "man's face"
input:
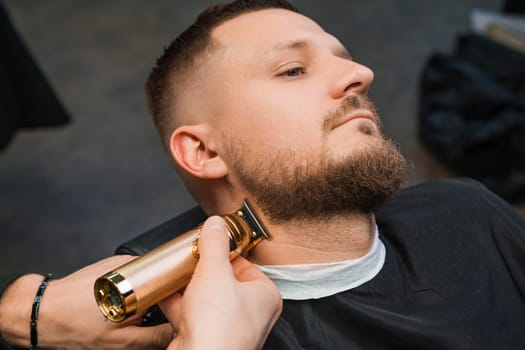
column 281, row 77
column 289, row 106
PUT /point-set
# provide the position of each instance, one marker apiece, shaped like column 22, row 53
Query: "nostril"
column 353, row 86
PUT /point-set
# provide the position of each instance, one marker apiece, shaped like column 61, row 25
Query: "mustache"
column 348, row 105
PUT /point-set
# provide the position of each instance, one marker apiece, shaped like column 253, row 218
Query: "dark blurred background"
column 70, row 195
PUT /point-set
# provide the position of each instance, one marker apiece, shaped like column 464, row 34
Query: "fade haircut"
column 175, row 66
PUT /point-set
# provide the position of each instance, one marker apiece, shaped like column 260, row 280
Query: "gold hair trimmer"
column 139, row 284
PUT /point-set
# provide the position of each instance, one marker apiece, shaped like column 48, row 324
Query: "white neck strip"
column 314, row 281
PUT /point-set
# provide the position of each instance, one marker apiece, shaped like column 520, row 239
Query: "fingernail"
column 215, row 223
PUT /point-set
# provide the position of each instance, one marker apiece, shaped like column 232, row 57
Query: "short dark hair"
column 177, row 62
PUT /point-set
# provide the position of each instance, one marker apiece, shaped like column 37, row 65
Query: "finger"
column 260, row 285
column 213, row 239
column 245, row 271
column 154, row 337
column 171, row 307
column 268, row 298
column 213, row 246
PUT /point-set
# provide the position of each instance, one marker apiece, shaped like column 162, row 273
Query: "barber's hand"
column 69, row 317
column 69, row 309
column 226, row 305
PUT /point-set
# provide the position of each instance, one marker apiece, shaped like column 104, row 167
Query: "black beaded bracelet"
column 34, row 312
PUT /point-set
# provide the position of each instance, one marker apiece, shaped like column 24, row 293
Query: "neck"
column 338, row 238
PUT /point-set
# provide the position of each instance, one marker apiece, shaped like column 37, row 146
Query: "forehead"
column 261, row 32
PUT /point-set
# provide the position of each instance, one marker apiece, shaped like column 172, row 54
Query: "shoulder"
column 460, row 207
column 460, row 189
column 442, row 197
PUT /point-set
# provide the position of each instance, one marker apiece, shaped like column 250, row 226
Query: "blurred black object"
column 162, row 233
column 514, row 7
column 472, row 113
column 26, row 98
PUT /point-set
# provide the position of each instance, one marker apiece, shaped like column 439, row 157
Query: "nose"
column 350, row 78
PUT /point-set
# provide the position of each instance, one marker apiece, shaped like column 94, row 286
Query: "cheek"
column 279, row 116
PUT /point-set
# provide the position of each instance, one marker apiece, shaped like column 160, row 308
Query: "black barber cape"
column 453, row 278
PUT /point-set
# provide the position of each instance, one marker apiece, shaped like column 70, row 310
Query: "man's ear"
column 191, row 148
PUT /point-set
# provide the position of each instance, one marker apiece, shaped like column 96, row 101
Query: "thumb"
column 213, row 244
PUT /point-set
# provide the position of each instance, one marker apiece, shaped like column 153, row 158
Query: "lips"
column 358, row 114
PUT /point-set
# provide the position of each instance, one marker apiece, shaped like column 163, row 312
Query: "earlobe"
column 190, row 148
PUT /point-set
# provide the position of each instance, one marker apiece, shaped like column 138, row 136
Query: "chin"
column 368, row 129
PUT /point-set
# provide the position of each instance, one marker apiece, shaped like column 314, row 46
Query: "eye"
column 294, row 72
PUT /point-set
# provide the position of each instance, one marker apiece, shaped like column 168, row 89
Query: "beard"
column 288, row 185
column 286, row 188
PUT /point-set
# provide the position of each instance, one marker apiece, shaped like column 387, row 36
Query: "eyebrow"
column 292, row 44
column 305, row 43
